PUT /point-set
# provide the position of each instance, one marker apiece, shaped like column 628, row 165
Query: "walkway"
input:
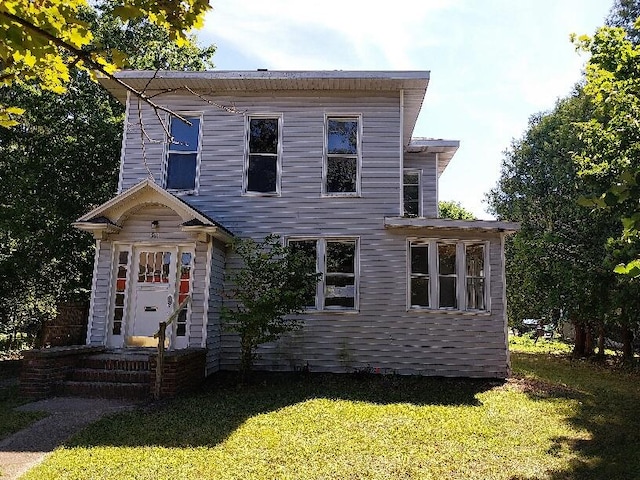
column 26, row 448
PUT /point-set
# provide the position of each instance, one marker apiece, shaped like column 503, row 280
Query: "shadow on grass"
column 209, row 416
column 608, row 408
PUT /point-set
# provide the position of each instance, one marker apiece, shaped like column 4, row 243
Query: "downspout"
column 401, row 199
column 124, row 142
column 437, row 185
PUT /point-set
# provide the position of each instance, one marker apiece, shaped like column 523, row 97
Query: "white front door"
column 153, row 289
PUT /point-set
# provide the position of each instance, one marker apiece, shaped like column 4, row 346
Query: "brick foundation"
column 43, row 369
column 184, row 370
column 69, row 327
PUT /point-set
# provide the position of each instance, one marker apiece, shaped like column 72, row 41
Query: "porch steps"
column 109, row 375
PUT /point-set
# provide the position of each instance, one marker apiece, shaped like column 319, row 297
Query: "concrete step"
column 110, row 375
column 133, row 391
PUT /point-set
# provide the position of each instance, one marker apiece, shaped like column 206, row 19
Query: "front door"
column 153, row 289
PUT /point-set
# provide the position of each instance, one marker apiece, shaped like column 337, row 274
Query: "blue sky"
column 493, row 63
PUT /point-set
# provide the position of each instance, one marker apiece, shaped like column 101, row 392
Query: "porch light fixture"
column 155, row 224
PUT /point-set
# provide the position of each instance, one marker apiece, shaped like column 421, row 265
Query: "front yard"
column 555, row 419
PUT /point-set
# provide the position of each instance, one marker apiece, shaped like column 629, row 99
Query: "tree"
column 273, row 283
column 60, row 161
column 556, row 263
column 454, row 211
column 624, row 14
column 611, row 137
column 44, row 41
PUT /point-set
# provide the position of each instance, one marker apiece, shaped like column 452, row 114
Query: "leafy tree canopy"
column 62, row 160
column 611, row 137
column 454, row 211
column 43, row 40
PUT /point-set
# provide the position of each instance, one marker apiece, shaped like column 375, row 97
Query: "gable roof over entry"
column 109, row 217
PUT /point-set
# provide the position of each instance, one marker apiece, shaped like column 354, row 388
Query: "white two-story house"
column 326, row 160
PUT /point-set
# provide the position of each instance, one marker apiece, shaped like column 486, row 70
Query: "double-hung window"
column 337, row 260
column 262, row 159
column 411, row 198
column 447, row 275
column 342, row 156
column 183, row 154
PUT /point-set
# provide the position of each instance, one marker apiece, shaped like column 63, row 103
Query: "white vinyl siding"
column 383, row 332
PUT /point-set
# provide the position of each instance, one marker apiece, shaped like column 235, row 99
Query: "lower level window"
column 337, row 260
column 447, row 275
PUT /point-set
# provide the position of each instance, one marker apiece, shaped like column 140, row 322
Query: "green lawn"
column 555, row 419
column 10, row 420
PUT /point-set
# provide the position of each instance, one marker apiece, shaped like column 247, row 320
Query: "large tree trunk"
column 589, row 341
column 601, row 340
column 580, row 340
column 627, row 345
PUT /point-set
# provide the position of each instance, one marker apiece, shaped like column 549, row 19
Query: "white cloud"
column 281, row 33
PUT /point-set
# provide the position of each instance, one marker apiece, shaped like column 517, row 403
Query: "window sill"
column 341, row 195
column 314, row 311
column 179, row 193
column 261, row 194
column 475, row 313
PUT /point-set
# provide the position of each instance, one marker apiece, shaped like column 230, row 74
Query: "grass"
column 555, row 419
column 10, row 420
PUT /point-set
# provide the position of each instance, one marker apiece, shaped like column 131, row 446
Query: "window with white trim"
column 337, row 259
column 411, row 193
column 262, row 159
column 341, row 172
column 447, row 275
column 183, row 154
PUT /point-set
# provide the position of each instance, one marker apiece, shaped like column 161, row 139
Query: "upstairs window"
column 262, row 165
column 342, row 159
column 412, row 201
column 183, row 154
column 447, row 275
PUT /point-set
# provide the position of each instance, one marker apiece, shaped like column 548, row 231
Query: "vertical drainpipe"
column 401, row 152
column 124, row 142
column 437, row 185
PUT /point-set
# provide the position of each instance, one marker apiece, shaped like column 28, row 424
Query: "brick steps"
column 109, row 375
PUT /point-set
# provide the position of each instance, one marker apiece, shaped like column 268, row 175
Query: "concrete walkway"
column 67, row 416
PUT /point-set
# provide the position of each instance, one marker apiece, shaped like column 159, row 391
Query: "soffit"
column 413, row 84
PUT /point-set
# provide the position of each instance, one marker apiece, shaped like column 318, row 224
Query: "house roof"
column 108, row 217
column 444, row 148
column 448, row 224
column 412, row 83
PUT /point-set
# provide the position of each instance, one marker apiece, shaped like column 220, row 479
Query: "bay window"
column 447, row 275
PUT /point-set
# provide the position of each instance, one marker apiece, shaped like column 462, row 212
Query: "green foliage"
column 273, row 283
column 60, row 161
column 556, row 263
column 11, row 420
column 610, row 141
column 454, row 211
column 44, row 41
